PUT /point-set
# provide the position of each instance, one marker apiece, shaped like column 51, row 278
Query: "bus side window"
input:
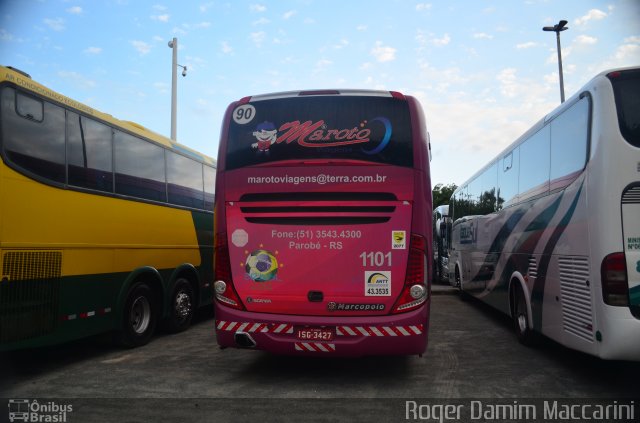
column 569, row 144
column 534, row 166
column 33, row 135
column 209, row 187
column 140, row 170
column 508, row 178
column 184, row 177
column 29, row 107
column 89, row 154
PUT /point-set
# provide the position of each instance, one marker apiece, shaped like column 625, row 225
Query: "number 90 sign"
column 244, row 114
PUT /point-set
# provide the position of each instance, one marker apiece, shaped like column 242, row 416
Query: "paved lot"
column 472, row 354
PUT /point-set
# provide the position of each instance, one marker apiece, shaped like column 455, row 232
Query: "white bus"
column 441, row 225
column 549, row 231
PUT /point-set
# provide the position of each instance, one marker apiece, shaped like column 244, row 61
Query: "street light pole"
column 173, row 44
column 558, row 29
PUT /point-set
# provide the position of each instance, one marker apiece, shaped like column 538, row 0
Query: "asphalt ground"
column 472, row 356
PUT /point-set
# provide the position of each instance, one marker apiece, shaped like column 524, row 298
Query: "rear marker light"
column 319, row 92
column 411, row 304
column 226, row 300
column 615, row 286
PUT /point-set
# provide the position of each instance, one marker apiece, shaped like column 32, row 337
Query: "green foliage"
column 442, row 193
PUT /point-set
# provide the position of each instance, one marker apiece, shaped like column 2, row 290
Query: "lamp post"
column 173, row 44
column 558, row 28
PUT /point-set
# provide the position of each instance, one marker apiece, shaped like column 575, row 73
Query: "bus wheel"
column 463, row 295
column 181, row 307
column 139, row 317
column 525, row 334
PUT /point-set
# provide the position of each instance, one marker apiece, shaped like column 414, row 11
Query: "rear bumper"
column 401, row 334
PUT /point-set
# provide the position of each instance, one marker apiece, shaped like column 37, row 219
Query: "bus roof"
column 323, row 92
column 23, row 80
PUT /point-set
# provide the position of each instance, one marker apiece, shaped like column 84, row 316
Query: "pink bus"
column 323, row 224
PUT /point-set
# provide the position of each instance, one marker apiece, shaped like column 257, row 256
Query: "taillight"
column 615, row 288
column 414, row 292
column 223, row 285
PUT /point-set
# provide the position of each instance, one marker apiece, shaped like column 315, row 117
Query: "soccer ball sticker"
column 261, row 265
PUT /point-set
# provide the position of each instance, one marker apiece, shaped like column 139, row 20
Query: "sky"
column 483, row 70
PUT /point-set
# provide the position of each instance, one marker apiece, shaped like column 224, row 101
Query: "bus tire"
column 181, row 307
column 463, row 295
column 525, row 334
column 139, row 316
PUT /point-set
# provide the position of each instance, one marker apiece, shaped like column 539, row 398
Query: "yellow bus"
column 104, row 225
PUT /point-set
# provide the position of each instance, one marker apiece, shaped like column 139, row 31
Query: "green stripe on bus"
column 634, row 295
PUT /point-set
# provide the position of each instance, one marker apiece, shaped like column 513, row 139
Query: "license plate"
column 315, row 334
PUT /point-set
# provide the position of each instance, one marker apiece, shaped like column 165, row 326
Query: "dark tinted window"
column 488, row 181
column 374, row 129
column 569, row 133
column 508, row 173
column 184, row 181
column 89, row 154
column 139, row 168
column 33, row 140
column 461, row 203
column 626, row 88
column 29, row 107
column 534, row 164
column 209, row 187
column 474, row 192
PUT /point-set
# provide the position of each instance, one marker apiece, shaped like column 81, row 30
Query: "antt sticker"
column 399, row 240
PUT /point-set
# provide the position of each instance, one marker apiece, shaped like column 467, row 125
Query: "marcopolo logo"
column 25, row 410
column 333, row 306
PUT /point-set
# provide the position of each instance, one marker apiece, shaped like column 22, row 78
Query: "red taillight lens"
column 415, row 265
column 221, row 263
column 410, row 299
column 615, row 288
column 222, row 272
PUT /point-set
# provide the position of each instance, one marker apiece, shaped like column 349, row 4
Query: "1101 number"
column 376, row 259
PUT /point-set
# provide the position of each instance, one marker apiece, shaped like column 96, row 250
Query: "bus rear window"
column 626, row 88
column 375, row 129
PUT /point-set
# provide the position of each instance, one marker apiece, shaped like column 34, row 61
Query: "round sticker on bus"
column 244, row 114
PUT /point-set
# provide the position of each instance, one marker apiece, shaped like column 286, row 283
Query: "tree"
column 442, row 193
